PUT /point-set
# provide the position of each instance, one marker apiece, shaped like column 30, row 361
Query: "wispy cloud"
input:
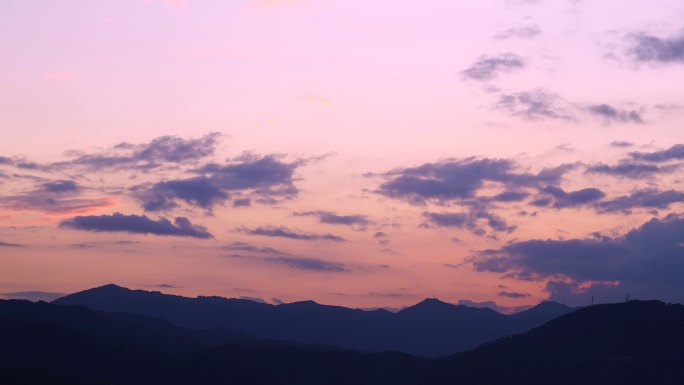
column 137, row 224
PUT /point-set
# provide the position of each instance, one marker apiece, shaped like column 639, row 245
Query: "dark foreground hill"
column 46, row 344
column 639, row 342
column 430, row 328
column 71, row 345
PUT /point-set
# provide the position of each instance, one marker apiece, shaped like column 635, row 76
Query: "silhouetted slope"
column 639, row 342
column 629, row 343
column 36, row 351
column 429, row 328
column 113, row 327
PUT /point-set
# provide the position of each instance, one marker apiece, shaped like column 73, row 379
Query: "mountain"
column 47, row 344
column 144, row 330
column 430, row 328
column 638, row 342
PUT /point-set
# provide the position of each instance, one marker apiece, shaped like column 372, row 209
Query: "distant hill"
column 47, row 344
column 631, row 343
column 638, row 342
column 430, row 328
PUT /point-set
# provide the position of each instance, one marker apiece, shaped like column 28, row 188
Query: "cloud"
column 629, row 169
column 332, row 218
column 160, row 151
column 309, row 264
column 263, row 177
column 47, row 296
column 675, row 152
column 511, row 196
column 164, row 286
column 472, row 220
column 509, row 294
column 199, row 191
column 10, row 244
column 83, row 245
column 536, row 105
column 611, row 114
column 482, row 305
column 244, row 246
column 523, row 32
column 60, row 186
column 284, row 232
column 649, row 48
column 267, row 174
column 458, row 179
column 647, row 261
column 489, row 67
column 253, row 299
column 54, row 197
column 52, row 204
column 559, row 198
column 137, row 224
column 621, row 143
column 297, row 263
column 647, row 198
column 242, row 202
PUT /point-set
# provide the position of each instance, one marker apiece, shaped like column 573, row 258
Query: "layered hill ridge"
column 632, row 343
column 637, row 342
column 430, row 328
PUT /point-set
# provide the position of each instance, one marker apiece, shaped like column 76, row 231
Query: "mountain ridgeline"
column 429, row 328
column 638, row 342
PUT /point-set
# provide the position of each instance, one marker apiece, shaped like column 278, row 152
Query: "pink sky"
column 350, row 97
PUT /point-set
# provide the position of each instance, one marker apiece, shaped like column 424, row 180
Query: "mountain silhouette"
column 430, row 328
column 48, row 344
column 638, row 342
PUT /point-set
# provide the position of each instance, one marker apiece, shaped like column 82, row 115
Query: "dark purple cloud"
column 309, row 264
column 60, row 186
column 650, row 48
column 522, row 32
column 244, row 246
column 647, row 262
column 559, row 198
column 647, row 198
column 621, row 144
column 536, row 105
column 627, row 169
column 489, row 67
column 264, row 178
column 160, row 151
column 331, row 218
column 612, row 114
column 199, row 191
column 511, row 196
column 297, row 263
column 509, row 294
column 10, row 244
column 474, row 220
column 284, row 232
column 242, row 202
column 458, row 179
column 139, row 224
column 675, row 152
column 267, row 175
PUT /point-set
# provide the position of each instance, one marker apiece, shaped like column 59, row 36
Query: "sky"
column 357, row 153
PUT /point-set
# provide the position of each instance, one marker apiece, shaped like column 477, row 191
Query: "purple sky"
column 361, row 153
